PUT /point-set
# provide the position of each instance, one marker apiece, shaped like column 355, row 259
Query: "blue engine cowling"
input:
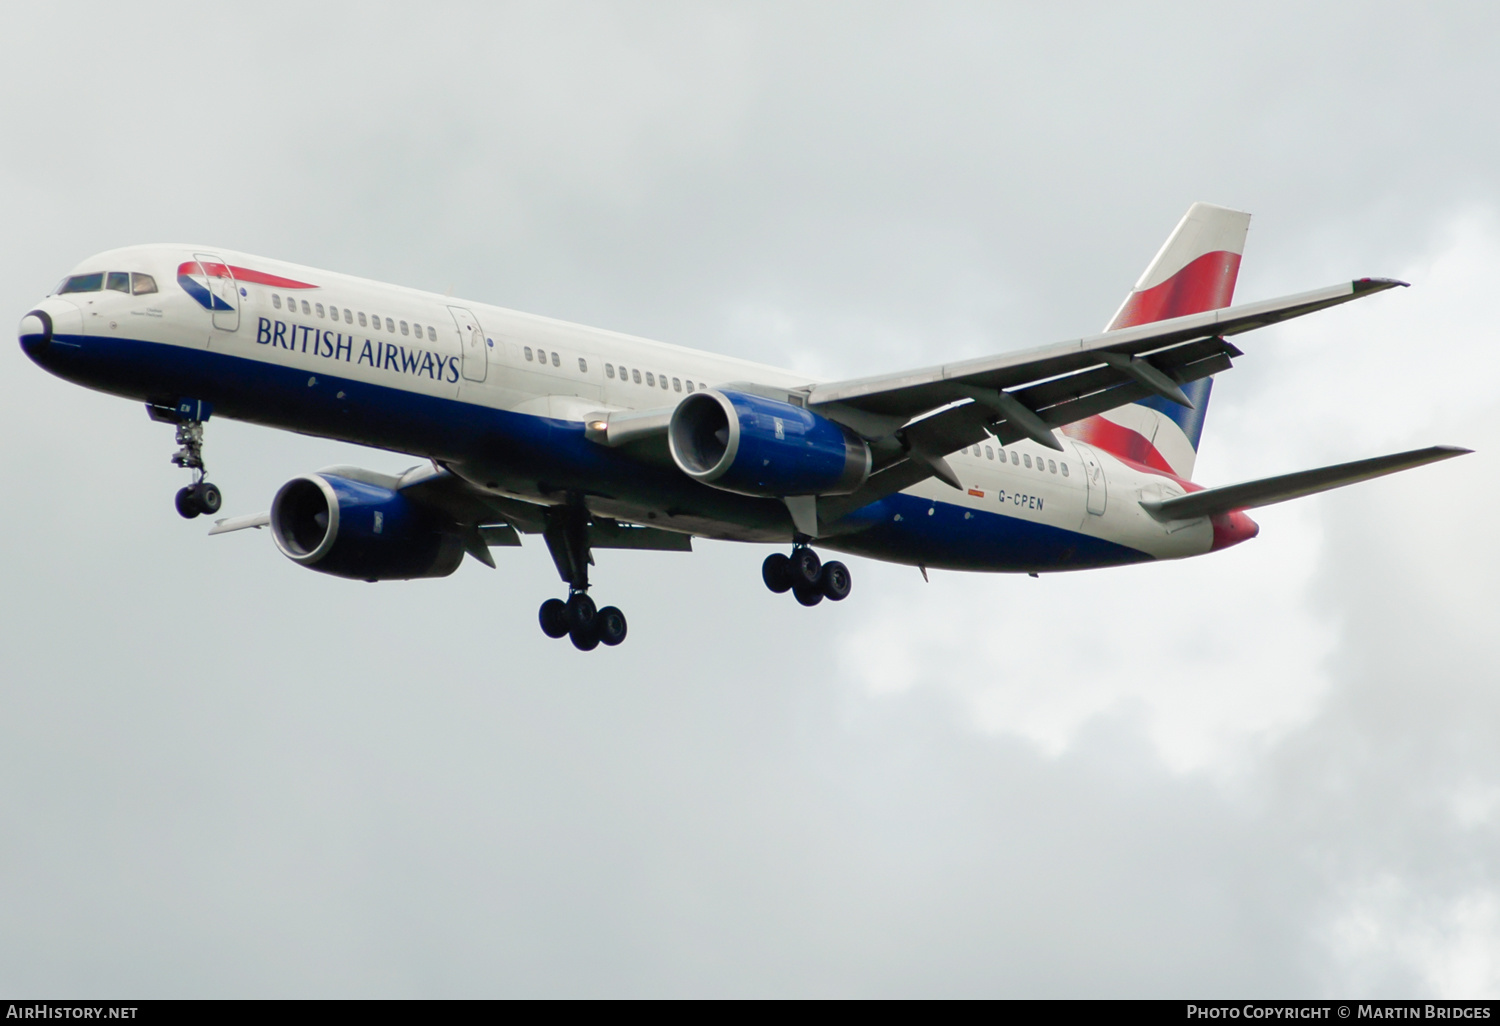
column 362, row 531
column 757, row 446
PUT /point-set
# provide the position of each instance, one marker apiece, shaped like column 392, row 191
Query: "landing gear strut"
column 584, row 623
column 808, row 578
column 201, row 496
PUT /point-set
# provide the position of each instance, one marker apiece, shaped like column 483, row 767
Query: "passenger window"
column 1014, row 459
column 432, row 334
column 319, row 308
column 609, row 370
column 689, row 386
column 635, row 376
column 306, row 309
column 349, row 316
column 650, row 379
column 82, row 283
column 555, row 362
column 1028, row 460
column 989, row 453
column 362, row 322
column 1065, row 470
column 404, row 329
column 390, row 325
column 1051, row 467
column 528, row 354
column 118, row 281
column 677, row 384
column 416, row 329
column 663, row 379
column 583, row 366
column 142, row 284
column 333, row 312
column 276, row 301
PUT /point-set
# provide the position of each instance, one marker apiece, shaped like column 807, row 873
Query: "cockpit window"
column 82, row 283
column 118, row 281
column 142, row 284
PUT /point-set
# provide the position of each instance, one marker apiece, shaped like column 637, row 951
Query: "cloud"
column 1267, row 772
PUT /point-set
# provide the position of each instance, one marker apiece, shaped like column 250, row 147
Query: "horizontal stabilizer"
column 1270, row 490
column 227, row 524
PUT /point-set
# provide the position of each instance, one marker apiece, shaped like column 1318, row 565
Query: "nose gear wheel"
column 201, row 496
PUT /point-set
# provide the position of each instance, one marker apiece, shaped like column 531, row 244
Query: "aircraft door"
column 472, row 343
column 224, row 291
column 1093, row 476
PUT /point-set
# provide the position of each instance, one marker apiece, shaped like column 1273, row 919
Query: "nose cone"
column 1233, row 528
column 36, row 332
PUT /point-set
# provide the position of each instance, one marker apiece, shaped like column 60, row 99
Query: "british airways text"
column 338, row 346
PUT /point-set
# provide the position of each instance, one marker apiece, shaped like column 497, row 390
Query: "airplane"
column 1069, row 456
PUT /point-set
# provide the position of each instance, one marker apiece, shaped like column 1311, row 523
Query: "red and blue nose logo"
column 210, row 284
column 215, row 285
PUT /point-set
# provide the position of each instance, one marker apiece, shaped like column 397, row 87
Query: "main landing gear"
column 808, row 578
column 584, row 623
column 201, row 496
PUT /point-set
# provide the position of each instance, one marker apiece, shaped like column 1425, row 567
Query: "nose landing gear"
column 808, row 578
column 201, row 496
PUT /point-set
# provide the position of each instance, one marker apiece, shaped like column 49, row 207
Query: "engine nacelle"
column 757, row 446
column 362, row 531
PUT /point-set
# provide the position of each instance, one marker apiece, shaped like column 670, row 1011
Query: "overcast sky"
column 1270, row 771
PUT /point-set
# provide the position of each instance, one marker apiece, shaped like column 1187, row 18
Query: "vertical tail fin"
column 1194, row 271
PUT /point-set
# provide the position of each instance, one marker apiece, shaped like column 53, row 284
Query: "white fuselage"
column 345, row 333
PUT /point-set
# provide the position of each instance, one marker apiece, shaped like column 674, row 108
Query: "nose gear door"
column 472, row 343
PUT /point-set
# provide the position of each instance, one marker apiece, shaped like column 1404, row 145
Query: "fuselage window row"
column 652, row 379
column 348, row 315
column 1045, row 466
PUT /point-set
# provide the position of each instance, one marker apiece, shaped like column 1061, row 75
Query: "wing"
column 912, row 393
column 914, row 419
column 483, row 519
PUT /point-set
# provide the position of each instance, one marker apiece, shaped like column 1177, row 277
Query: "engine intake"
column 757, row 446
column 361, row 531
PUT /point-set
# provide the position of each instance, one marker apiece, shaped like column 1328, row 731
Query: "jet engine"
column 757, row 446
column 362, row 531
